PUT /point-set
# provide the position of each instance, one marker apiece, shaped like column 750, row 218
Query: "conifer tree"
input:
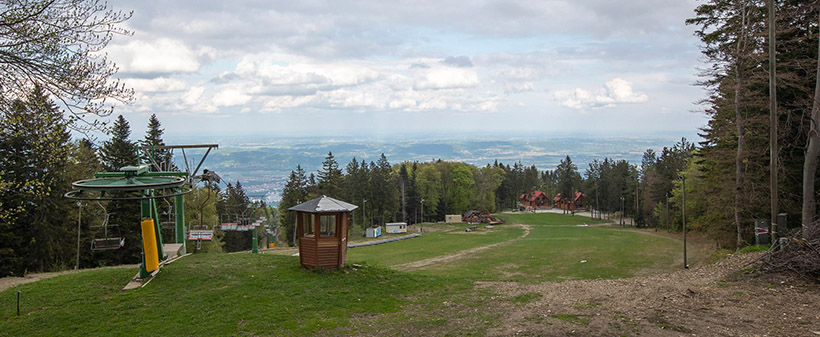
column 34, row 149
column 153, row 138
column 330, row 177
column 295, row 191
column 117, row 152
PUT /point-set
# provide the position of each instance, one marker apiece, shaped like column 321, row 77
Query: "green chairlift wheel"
column 128, row 183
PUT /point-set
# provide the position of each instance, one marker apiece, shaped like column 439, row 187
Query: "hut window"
column 307, row 224
column 327, row 226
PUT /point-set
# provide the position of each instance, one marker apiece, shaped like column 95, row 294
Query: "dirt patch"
column 707, row 301
column 430, row 228
column 8, row 282
column 459, row 255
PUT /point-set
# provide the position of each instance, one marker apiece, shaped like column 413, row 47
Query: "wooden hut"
column 322, row 228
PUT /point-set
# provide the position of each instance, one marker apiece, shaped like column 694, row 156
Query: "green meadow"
column 268, row 294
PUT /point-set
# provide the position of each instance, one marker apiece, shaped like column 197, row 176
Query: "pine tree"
column 83, row 163
column 295, row 192
column 34, row 149
column 119, row 151
column 330, row 178
column 116, row 153
column 153, row 138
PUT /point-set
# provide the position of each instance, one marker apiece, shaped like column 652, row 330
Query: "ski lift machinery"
column 146, row 185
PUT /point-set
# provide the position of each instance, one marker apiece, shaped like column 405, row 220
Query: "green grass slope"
column 207, row 294
column 267, row 294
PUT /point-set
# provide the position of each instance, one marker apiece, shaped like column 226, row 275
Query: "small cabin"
column 396, row 227
column 322, row 229
column 452, row 218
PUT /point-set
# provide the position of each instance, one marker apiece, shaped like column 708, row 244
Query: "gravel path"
column 8, row 282
column 461, row 254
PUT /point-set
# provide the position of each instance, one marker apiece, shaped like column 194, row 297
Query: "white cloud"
column 445, row 78
column 230, row 97
column 516, row 87
column 614, row 92
column 193, row 95
column 162, row 56
column 160, row 84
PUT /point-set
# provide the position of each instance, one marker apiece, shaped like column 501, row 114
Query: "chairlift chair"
column 107, row 242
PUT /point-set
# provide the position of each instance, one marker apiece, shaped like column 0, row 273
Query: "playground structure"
column 476, row 217
column 143, row 184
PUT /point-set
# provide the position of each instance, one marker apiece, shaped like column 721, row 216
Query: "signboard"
column 200, row 234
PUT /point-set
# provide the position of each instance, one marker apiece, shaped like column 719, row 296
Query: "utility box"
column 762, row 235
column 373, row 232
column 782, row 225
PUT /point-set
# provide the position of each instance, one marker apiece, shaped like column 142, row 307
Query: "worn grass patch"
column 572, row 319
column 526, row 298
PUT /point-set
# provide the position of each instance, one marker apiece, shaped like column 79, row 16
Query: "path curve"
column 458, row 255
column 11, row 281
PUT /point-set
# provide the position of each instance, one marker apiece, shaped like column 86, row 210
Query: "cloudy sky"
column 553, row 67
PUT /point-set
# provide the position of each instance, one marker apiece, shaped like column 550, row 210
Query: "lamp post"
column 364, row 214
column 421, row 216
column 622, row 212
column 683, row 215
column 79, row 221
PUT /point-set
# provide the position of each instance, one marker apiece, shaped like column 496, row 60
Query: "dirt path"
column 8, row 282
column 459, row 255
column 706, row 301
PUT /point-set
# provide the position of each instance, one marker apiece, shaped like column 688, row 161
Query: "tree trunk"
column 741, row 137
column 810, row 162
column 773, row 120
column 403, row 203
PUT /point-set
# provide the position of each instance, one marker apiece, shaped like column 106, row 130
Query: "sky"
column 379, row 68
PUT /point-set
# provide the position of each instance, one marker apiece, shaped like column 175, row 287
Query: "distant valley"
column 262, row 164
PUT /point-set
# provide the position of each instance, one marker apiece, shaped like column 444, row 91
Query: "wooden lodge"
column 535, row 199
column 571, row 204
column 322, row 229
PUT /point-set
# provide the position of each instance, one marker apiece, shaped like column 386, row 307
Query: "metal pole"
column 79, row 220
column 254, row 239
column 295, row 224
column 668, row 225
column 622, row 212
column 179, row 213
column 683, row 214
column 18, row 302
